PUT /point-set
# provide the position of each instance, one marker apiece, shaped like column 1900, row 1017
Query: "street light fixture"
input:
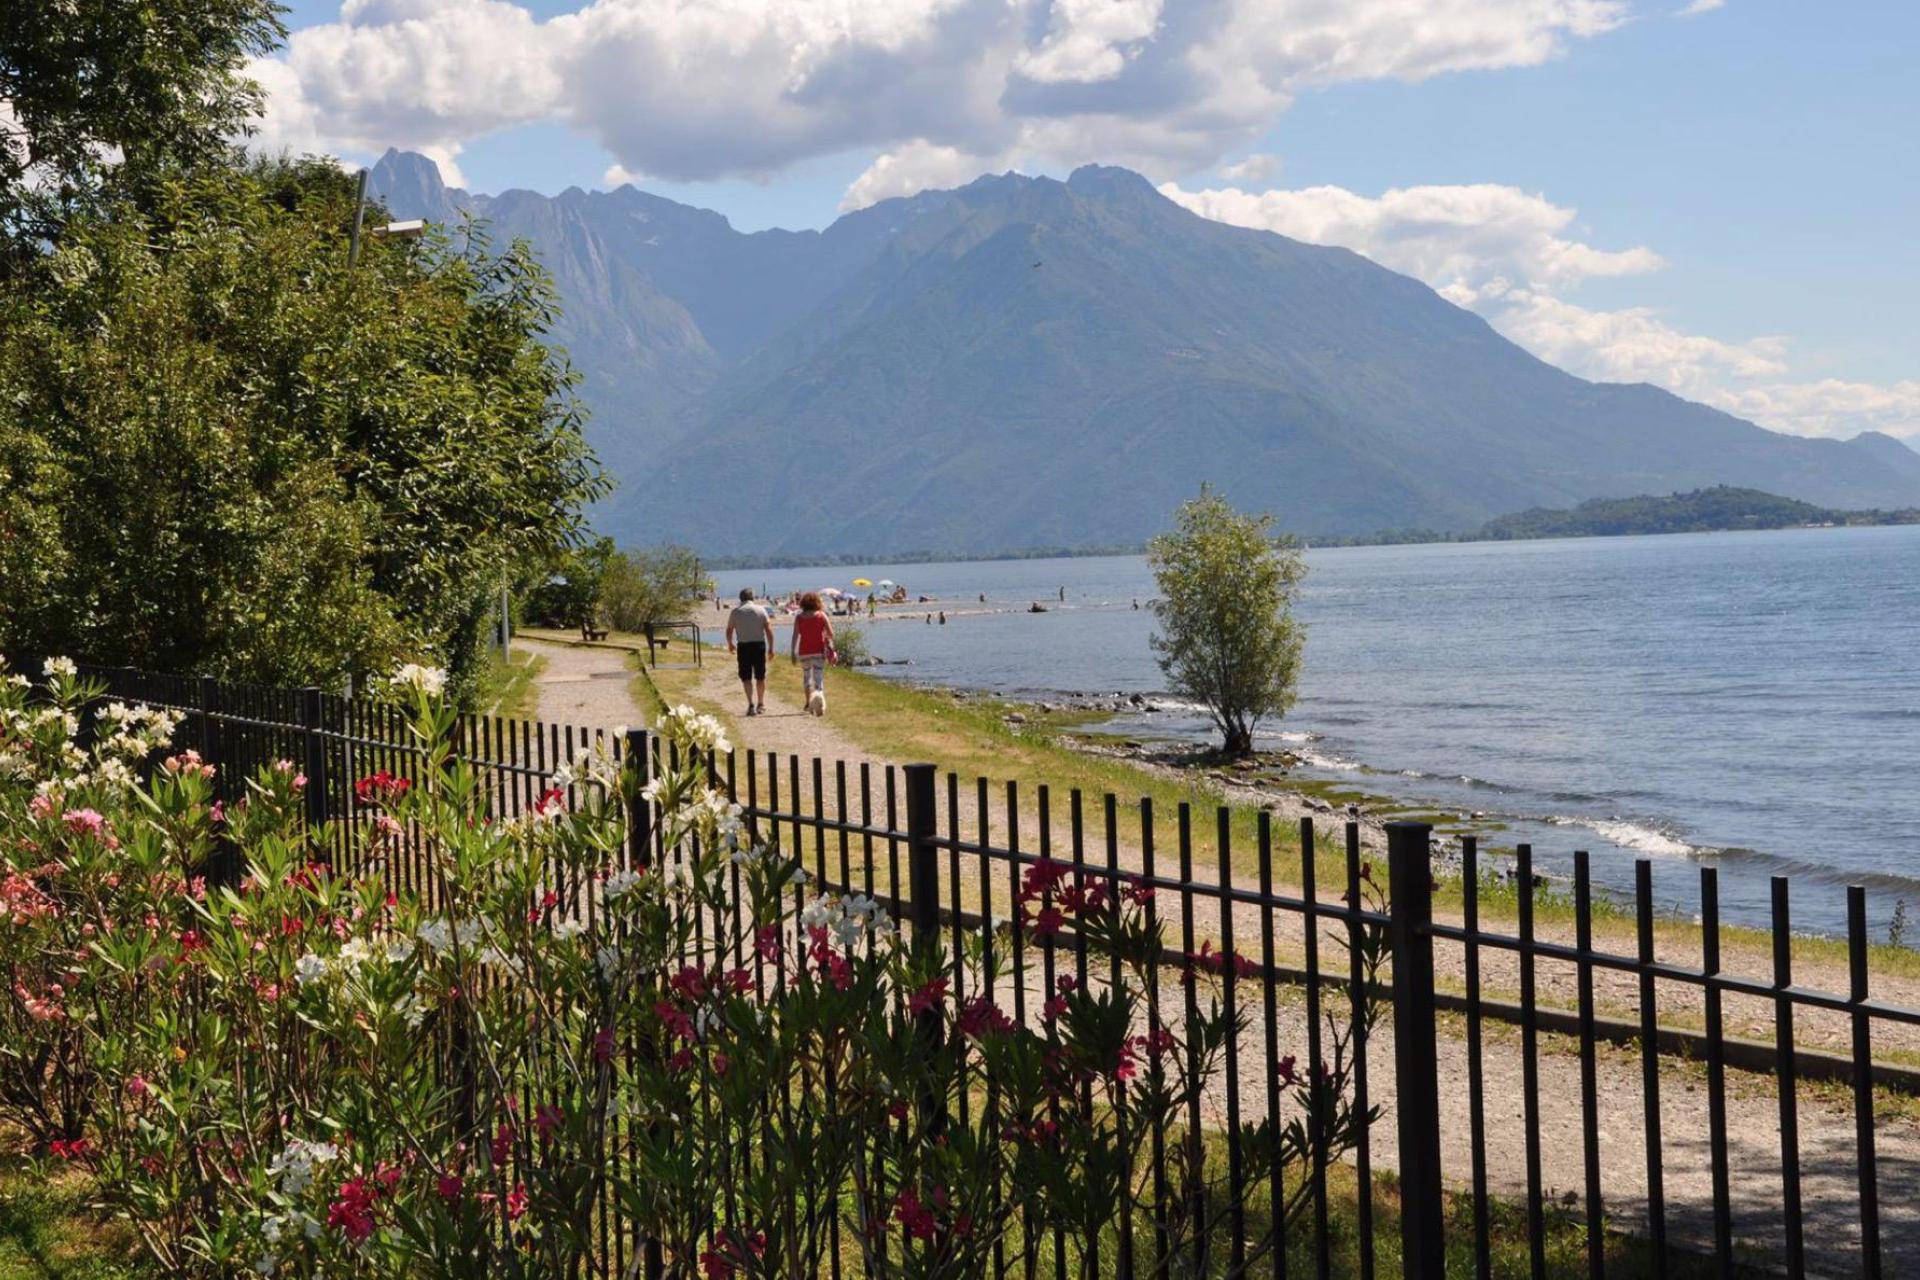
column 406, row 229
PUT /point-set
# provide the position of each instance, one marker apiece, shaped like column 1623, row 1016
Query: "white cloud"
column 1510, row 255
column 1701, row 6
column 1260, row 167
column 1089, row 40
column 917, row 166
column 698, row 89
column 1462, row 240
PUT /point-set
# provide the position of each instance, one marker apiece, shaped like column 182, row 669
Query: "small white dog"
column 817, row 703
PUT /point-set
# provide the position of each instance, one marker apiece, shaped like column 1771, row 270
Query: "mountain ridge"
column 1026, row 361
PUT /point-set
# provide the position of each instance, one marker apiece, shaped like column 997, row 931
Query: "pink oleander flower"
column 449, row 1187
column 85, row 821
column 928, row 997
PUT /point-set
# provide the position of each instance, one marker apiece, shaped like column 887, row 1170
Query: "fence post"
column 312, row 722
column 639, row 758
column 923, row 881
column 209, row 731
column 1415, row 1052
column 639, row 810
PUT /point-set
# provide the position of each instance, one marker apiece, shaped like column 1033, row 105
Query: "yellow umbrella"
column 863, row 582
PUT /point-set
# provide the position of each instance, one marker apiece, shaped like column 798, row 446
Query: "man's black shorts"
column 753, row 660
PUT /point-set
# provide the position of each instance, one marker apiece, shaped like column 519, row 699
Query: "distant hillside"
column 1704, row 510
column 1026, row 362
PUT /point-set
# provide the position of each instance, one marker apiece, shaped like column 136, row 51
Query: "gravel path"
column 589, row 686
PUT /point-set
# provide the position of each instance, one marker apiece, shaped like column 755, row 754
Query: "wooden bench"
column 590, row 632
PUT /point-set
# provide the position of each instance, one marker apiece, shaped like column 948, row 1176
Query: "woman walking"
column 811, row 647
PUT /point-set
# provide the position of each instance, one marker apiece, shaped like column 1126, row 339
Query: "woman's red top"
column 812, row 629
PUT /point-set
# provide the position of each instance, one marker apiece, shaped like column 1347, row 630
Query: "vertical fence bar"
column 1788, row 1076
column 1476, row 1084
column 1530, row 1070
column 1276, row 1184
column 1360, row 1010
column 1650, row 1068
column 1864, row 1152
column 923, row 868
column 1229, row 983
column 1310, row 922
column 1589, row 1083
column 1716, row 1072
column 1415, row 1050
column 640, row 851
column 313, row 744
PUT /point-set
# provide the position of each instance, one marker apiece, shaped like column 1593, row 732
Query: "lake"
column 1749, row 699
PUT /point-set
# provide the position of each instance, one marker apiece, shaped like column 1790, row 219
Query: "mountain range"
column 1023, row 361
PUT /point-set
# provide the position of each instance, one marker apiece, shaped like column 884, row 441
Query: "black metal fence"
column 1516, row 1150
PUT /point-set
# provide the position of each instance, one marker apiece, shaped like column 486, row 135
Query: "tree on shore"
column 1227, row 637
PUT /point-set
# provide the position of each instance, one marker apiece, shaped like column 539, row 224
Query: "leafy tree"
column 220, row 450
column 652, row 585
column 570, row 594
column 95, row 91
column 1227, row 636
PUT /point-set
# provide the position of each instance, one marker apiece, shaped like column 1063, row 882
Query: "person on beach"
column 812, row 643
column 749, row 636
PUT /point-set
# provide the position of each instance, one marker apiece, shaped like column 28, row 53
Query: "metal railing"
column 943, row 854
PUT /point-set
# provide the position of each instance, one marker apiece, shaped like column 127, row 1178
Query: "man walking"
column 749, row 635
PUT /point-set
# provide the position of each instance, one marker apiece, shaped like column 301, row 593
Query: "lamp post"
column 405, row 229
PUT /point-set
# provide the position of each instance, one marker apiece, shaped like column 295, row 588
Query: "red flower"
column 680, row 1061
column 76, row 1149
column 982, row 1017
column 767, row 942
column 898, row 1108
column 449, row 1187
column 1288, row 1073
column 603, row 1044
column 1139, row 892
column 689, row 983
column 1042, row 876
column 352, row 1211
column 720, row 1063
column 517, row 1202
column 674, row 1019
column 915, row 1218
column 1055, row 1008
column 740, row 980
column 546, row 1119
column 191, row 941
column 928, row 997
column 1048, row 922
column 380, row 788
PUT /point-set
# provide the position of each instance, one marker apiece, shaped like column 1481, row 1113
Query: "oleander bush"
column 544, row 1049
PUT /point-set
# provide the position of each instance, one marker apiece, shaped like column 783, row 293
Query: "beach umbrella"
column 831, row 591
column 888, row 582
column 863, row 582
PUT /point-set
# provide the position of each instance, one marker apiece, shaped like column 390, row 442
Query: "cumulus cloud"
column 1260, row 167
column 1701, row 6
column 1511, row 255
column 917, row 166
column 1463, row 240
column 700, row 89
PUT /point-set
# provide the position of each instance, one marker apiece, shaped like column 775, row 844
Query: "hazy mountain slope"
column 1024, row 361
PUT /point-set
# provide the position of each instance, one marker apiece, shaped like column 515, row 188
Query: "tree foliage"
column 221, row 450
column 94, row 92
column 650, row 585
column 1227, row 637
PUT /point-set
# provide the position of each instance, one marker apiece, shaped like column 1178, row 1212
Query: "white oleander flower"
column 412, row 675
column 309, row 969
column 608, row 958
column 294, row 1169
column 563, row 777
column 570, row 928
column 57, row 667
column 620, row 883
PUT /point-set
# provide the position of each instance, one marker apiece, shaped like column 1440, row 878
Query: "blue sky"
column 1723, row 202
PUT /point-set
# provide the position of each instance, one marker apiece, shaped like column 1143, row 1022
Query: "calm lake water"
column 1749, row 699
